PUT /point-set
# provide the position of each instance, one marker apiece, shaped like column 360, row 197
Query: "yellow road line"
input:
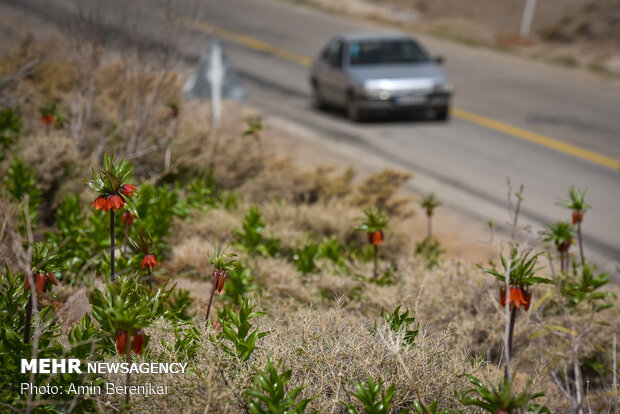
column 537, row 139
column 489, row 123
column 248, row 41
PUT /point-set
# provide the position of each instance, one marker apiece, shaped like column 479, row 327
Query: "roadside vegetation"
column 132, row 231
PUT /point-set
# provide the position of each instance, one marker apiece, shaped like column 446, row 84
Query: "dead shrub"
column 190, row 256
column 214, row 224
column 381, row 190
column 280, row 280
column 55, row 161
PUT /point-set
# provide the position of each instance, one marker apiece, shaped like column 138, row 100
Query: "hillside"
column 133, row 231
column 572, row 33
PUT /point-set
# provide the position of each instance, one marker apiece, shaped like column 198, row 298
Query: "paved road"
column 465, row 162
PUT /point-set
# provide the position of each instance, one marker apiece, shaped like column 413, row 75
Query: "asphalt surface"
column 466, row 163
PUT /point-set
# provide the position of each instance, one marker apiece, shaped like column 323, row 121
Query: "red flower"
column 577, row 217
column 52, row 278
column 518, row 297
column 27, row 283
column 138, row 341
column 376, row 237
column 149, row 260
column 121, row 341
column 100, row 203
column 217, row 325
column 108, row 202
column 40, row 279
column 116, row 201
column 128, row 189
column 219, row 277
column 564, row 247
column 48, row 119
column 40, row 282
column 127, row 216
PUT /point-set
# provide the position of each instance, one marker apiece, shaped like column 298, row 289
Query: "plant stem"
column 28, row 320
column 562, row 260
column 375, row 273
column 513, row 317
column 507, row 324
column 429, row 227
column 112, row 273
column 583, row 259
column 128, row 359
column 210, row 301
column 519, row 197
column 150, row 278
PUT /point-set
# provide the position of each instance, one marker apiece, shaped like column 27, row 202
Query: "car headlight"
column 377, row 94
column 372, row 93
column 374, row 89
column 444, row 88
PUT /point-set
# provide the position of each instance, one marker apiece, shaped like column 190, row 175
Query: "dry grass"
column 325, row 315
column 454, row 297
column 211, row 225
column 327, row 351
column 191, row 255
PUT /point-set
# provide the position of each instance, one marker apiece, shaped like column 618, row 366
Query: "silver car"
column 373, row 72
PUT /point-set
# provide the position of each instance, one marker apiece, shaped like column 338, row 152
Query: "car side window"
column 338, row 55
column 332, row 55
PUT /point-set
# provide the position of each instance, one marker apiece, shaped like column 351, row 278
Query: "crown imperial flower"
column 149, row 260
column 44, row 263
column 110, row 183
column 40, row 279
column 128, row 189
column 127, row 218
column 221, row 263
column 144, row 244
column 109, row 202
column 376, row 237
column 519, row 297
column 219, row 277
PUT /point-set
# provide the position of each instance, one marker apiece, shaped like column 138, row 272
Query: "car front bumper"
column 429, row 101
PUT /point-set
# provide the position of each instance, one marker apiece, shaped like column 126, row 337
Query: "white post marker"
column 528, row 16
column 216, row 78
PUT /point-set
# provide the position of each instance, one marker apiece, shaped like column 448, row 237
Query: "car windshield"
column 375, row 52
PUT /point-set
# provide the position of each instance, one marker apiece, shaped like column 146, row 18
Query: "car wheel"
column 354, row 113
column 442, row 113
column 317, row 99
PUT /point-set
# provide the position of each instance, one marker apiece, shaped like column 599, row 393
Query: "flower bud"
column 376, row 238
column 121, row 341
column 138, row 341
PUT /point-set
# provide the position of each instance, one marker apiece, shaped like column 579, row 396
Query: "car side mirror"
column 439, row 60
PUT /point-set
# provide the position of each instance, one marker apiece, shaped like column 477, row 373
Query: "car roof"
column 373, row 35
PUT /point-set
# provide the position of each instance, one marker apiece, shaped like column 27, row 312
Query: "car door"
column 331, row 78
